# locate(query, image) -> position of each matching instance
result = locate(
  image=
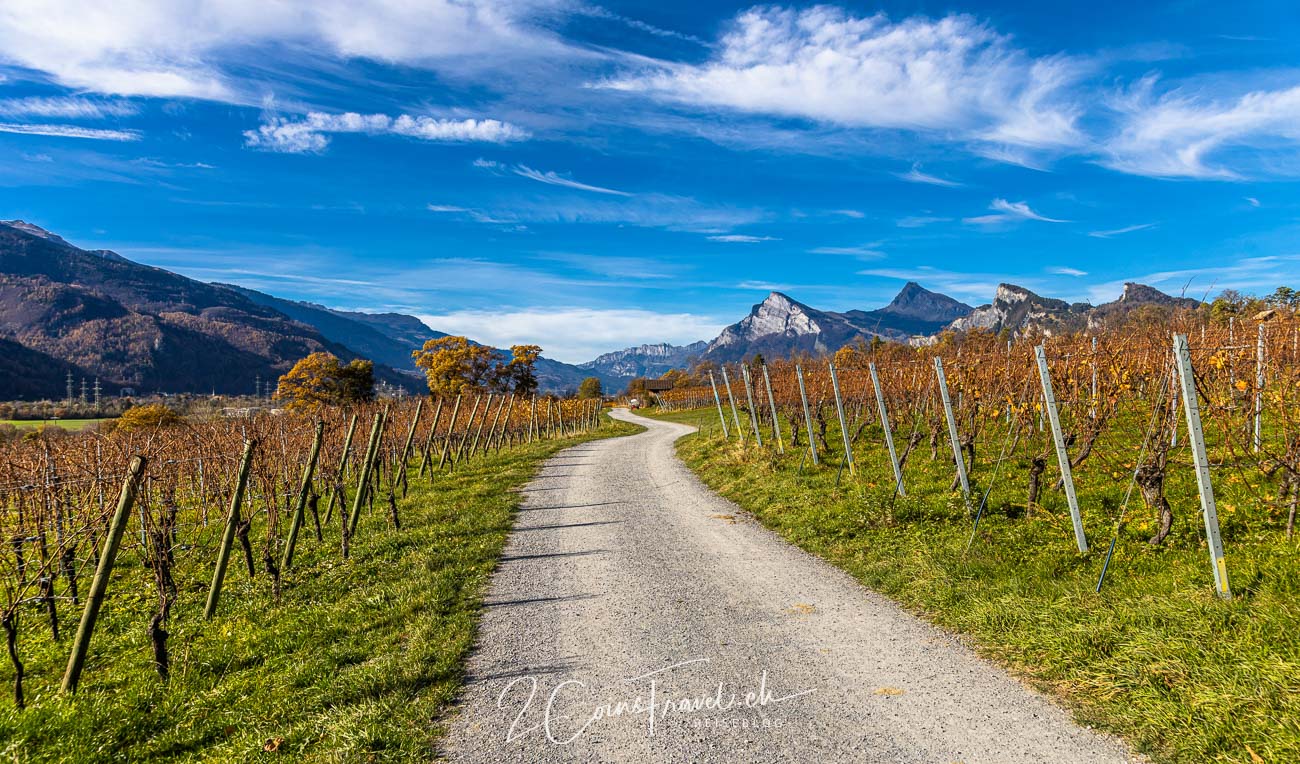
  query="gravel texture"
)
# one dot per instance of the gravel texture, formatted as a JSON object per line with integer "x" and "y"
{"x": 622, "y": 563}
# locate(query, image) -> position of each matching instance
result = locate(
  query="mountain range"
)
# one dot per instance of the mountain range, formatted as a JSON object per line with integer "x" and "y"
{"x": 96, "y": 314}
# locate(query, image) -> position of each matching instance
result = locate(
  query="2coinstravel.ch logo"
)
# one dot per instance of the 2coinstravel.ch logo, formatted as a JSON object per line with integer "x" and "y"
{"x": 571, "y": 708}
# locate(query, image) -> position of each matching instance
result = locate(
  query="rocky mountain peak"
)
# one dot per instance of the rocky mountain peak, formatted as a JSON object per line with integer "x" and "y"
{"x": 34, "y": 230}
{"x": 915, "y": 301}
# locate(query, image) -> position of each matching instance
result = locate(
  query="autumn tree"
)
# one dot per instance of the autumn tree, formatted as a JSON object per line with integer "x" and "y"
{"x": 454, "y": 364}
{"x": 590, "y": 388}
{"x": 519, "y": 375}
{"x": 321, "y": 379}
{"x": 677, "y": 377}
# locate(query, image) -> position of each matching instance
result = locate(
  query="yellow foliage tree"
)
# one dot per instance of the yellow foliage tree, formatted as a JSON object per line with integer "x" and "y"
{"x": 321, "y": 379}
{"x": 148, "y": 416}
{"x": 453, "y": 364}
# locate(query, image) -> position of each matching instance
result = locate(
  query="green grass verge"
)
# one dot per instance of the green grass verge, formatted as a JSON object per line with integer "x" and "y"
{"x": 1155, "y": 657}
{"x": 356, "y": 663}
{"x": 67, "y": 424}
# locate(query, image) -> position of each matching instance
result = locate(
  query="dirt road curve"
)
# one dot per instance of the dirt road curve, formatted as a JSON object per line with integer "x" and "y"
{"x": 636, "y": 616}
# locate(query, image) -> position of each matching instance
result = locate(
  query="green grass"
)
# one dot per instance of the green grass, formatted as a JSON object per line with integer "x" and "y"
{"x": 1156, "y": 656}
{"x": 67, "y": 424}
{"x": 356, "y": 664}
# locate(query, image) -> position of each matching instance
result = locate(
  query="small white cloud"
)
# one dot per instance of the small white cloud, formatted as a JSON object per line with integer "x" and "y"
{"x": 916, "y": 176}
{"x": 71, "y": 131}
{"x": 1121, "y": 231}
{"x": 1062, "y": 270}
{"x": 446, "y": 208}
{"x": 855, "y": 214}
{"x": 739, "y": 238}
{"x": 1252, "y": 201}
{"x": 310, "y": 134}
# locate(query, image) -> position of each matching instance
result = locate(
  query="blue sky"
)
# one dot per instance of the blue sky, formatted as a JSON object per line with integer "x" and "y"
{"x": 593, "y": 176}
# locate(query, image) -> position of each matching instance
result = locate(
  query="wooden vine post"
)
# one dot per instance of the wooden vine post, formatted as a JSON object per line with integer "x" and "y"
{"x": 300, "y": 506}
{"x": 228, "y": 537}
{"x": 95, "y": 599}
{"x": 726, "y": 434}
{"x": 367, "y": 466}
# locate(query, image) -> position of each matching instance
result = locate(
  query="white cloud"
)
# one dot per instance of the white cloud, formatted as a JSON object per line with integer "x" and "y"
{"x": 952, "y": 74}
{"x": 740, "y": 238}
{"x": 446, "y": 208}
{"x": 916, "y": 176}
{"x": 551, "y": 178}
{"x": 66, "y": 107}
{"x": 169, "y": 49}
{"x": 311, "y": 133}
{"x": 1063, "y": 270}
{"x": 71, "y": 131}
{"x": 1005, "y": 211}
{"x": 1178, "y": 134}
{"x": 1121, "y": 231}
{"x": 1252, "y": 201}
{"x": 576, "y": 334}
{"x": 855, "y": 214}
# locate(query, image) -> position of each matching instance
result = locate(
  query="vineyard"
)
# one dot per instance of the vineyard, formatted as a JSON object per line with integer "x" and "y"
{"x": 1058, "y": 498}
{"x": 151, "y": 525}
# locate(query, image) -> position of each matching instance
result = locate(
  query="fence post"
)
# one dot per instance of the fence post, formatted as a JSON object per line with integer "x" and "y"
{"x": 953, "y": 437}
{"x": 478, "y": 432}
{"x": 469, "y": 426}
{"x": 410, "y": 439}
{"x": 844, "y": 424}
{"x": 749, "y": 396}
{"x": 1192, "y": 409}
{"x": 889, "y": 433}
{"x": 735, "y": 415}
{"x": 726, "y": 435}
{"x": 776, "y": 421}
{"x": 98, "y": 586}
{"x": 1062, "y": 455}
{"x": 300, "y": 506}
{"x": 807, "y": 415}
{"x": 228, "y": 537}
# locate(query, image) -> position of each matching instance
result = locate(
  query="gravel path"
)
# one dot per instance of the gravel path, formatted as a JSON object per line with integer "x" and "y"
{"x": 627, "y": 586}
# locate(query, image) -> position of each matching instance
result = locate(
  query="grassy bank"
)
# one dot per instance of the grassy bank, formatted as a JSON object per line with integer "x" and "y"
{"x": 356, "y": 663}
{"x": 1156, "y": 656}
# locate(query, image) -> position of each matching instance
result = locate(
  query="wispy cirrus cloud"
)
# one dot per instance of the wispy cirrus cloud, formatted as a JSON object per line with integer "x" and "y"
{"x": 1065, "y": 270}
{"x": 916, "y": 176}
{"x": 66, "y": 107}
{"x": 554, "y": 179}
{"x": 1182, "y": 133}
{"x": 1121, "y": 231}
{"x": 70, "y": 131}
{"x": 1005, "y": 211}
{"x": 868, "y": 252}
{"x": 311, "y": 133}
{"x": 740, "y": 238}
